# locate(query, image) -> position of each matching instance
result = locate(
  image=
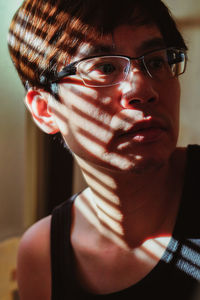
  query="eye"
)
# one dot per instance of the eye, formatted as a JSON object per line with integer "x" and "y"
{"x": 105, "y": 69}
{"x": 156, "y": 63}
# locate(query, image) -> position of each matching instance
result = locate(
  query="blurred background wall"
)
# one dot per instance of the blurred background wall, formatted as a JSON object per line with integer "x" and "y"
{"x": 21, "y": 146}
{"x": 12, "y": 133}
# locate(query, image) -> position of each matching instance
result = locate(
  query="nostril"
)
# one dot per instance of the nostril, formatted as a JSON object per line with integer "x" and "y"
{"x": 138, "y": 101}
{"x": 134, "y": 101}
{"x": 152, "y": 100}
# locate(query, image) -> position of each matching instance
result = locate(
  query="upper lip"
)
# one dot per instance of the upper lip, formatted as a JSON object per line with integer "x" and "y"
{"x": 142, "y": 125}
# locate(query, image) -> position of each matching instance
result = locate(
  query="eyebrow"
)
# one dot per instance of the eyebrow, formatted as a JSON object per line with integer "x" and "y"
{"x": 151, "y": 44}
{"x": 147, "y": 45}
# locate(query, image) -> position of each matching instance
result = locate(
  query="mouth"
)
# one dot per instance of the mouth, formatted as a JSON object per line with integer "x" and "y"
{"x": 144, "y": 132}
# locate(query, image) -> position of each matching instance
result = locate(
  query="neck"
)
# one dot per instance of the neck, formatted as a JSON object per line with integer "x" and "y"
{"x": 132, "y": 208}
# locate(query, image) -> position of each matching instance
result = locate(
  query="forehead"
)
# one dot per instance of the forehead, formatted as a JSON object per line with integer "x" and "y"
{"x": 126, "y": 39}
{"x": 137, "y": 39}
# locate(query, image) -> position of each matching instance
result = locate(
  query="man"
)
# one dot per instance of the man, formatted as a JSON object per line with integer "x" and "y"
{"x": 106, "y": 76}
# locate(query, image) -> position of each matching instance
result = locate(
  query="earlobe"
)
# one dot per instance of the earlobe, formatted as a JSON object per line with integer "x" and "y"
{"x": 37, "y": 103}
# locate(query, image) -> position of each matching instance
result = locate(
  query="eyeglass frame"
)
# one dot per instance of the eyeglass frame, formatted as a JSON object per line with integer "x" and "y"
{"x": 71, "y": 69}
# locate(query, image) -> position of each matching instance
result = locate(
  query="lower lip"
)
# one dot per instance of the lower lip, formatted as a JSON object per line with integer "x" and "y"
{"x": 147, "y": 135}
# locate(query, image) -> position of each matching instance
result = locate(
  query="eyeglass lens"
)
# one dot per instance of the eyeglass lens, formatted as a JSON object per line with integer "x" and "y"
{"x": 106, "y": 70}
{"x": 110, "y": 70}
{"x": 164, "y": 64}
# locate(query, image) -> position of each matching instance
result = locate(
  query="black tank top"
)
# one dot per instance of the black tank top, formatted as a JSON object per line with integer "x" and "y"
{"x": 176, "y": 275}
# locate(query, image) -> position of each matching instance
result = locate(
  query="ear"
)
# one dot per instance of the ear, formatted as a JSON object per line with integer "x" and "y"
{"x": 37, "y": 103}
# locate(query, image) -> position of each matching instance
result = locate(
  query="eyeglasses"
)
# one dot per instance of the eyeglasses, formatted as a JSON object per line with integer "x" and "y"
{"x": 108, "y": 70}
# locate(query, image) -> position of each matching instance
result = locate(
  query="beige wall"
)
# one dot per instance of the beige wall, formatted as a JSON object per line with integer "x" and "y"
{"x": 11, "y": 134}
{"x": 184, "y": 8}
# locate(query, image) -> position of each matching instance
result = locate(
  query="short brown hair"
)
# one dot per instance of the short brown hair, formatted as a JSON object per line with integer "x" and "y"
{"x": 45, "y": 34}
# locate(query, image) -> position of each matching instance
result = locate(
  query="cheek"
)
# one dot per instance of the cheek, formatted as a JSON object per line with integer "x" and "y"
{"x": 88, "y": 112}
{"x": 176, "y": 101}
{"x": 171, "y": 107}
{"x": 170, "y": 97}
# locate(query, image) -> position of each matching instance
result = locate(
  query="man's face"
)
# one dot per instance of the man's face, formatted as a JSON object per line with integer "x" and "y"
{"x": 129, "y": 126}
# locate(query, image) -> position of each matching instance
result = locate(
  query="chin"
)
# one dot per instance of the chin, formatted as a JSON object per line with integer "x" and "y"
{"x": 147, "y": 159}
{"x": 147, "y": 166}
{"x": 153, "y": 163}
{"x": 137, "y": 164}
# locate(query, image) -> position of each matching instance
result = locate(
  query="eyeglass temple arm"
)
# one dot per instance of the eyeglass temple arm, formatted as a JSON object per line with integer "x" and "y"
{"x": 68, "y": 70}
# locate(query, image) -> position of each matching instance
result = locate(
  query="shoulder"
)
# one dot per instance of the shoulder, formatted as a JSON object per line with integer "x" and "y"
{"x": 33, "y": 265}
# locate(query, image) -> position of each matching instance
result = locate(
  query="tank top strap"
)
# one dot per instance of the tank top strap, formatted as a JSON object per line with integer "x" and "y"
{"x": 61, "y": 251}
{"x": 188, "y": 218}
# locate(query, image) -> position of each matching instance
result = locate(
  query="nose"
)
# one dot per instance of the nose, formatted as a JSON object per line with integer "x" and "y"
{"x": 137, "y": 89}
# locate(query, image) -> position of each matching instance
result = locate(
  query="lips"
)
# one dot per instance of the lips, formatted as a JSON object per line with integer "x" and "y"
{"x": 144, "y": 131}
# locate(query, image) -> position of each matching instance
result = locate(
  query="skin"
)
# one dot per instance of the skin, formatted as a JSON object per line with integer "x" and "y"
{"x": 134, "y": 186}
{"x": 115, "y": 103}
